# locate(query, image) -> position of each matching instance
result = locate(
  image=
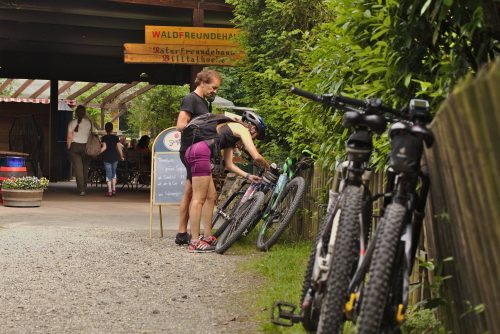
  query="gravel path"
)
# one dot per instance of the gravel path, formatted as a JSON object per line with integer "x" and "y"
{"x": 60, "y": 279}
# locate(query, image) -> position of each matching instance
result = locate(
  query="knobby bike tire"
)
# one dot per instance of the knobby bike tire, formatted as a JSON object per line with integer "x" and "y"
{"x": 379, "y": 275}
{"x": 243, "y": 218}
{"x": 344, "y": 260}
{"x": 274, "y": 227}
{"x": 310, "y": 314}
{"x": 223, "y": 215}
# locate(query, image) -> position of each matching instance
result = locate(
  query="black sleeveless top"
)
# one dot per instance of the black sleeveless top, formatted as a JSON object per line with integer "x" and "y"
{"x": 226, "y": 138}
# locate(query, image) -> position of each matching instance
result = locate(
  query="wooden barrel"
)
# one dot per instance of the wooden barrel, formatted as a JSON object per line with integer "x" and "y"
{"x": 7, "y": 172}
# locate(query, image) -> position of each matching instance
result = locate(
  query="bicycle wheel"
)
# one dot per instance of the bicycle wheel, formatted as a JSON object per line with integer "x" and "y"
{"x": 276, "y": 223}
{"x": 246, "y": 214}
{"x": 311, "y": 309}
{"x": 225, "y": 212}
{"x": 344, "y": 261}
{"x": 379, "y": 276}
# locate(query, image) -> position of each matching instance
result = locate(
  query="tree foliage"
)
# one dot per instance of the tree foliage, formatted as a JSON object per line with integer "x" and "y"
{"x": 394, "y": 50}
{"x": 157, "y": 109}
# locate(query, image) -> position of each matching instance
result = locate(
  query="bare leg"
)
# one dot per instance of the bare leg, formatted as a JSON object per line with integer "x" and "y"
{"x": 208, "y": 209}
{"x": 113, "y": 184}
{"x": 184, "y": 207}
{"x": 200, "y": 185}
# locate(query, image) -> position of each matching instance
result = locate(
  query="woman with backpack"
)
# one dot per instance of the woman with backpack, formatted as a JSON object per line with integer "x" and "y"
{"x": 207, "y": 135}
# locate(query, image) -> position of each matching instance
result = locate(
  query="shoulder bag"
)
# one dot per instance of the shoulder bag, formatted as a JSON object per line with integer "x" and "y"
{"x": 93, "y": 146}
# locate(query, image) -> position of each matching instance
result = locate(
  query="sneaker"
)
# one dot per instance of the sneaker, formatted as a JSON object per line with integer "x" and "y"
{"x": 82, "y": 193}
{"x": 200, "y": 246}
{"x": 182, "y": 238}
{"x": 211, "y": 240}
{"x": 108, "y": 194}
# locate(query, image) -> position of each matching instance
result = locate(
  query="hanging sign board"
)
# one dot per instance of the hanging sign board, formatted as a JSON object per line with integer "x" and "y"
{"x": 181, "y": 54}
{"x": 191, "y": 35}
{"x": 168, "y": 174}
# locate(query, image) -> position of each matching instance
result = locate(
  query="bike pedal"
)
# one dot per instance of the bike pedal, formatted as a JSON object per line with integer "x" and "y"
{"x": 285, "y": 314}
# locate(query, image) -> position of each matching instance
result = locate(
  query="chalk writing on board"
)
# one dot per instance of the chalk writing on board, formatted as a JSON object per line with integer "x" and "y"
{"x": 170, "y": 176}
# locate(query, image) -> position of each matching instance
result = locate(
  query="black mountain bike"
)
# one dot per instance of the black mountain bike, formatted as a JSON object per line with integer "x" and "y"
{"x": 382, "y": 303}
{"x": 343, "y": 236}
{"x": 242, "y": 218}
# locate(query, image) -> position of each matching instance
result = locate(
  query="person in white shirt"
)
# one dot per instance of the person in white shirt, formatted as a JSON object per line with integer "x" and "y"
{"x": 76, "y": 140}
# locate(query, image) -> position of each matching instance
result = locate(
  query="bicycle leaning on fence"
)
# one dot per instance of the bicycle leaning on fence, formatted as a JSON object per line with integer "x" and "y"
{"x": 379, "y": 305}
{"x": 282, "y": 190}
{"x": 343, "y": 235}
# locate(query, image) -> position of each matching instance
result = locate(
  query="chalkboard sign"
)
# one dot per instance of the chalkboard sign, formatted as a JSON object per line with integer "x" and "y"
{"x": 169, "y": 178}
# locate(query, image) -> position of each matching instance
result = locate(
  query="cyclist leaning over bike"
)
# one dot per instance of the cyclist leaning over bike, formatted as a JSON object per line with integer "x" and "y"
{"x": 207, "y": 135}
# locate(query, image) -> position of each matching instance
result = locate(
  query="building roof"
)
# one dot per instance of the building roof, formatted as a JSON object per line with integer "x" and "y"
{"x": 82, "y": 40}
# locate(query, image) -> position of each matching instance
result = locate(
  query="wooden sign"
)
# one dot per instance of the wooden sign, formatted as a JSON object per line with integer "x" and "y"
{"x": 181, "y": 54}
{"x": 190, "y": 35}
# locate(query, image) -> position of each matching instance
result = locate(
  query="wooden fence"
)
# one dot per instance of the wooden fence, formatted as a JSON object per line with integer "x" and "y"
{"x": 463, "y": 216}
{"x": 463, "y": 210}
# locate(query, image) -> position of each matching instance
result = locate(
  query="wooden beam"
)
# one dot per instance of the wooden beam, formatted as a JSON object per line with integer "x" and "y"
{"x": 22, "y": 88}
{"x": 135, "y": 94}
{"x": 66, "y": 86}
{"x": 40, "y": 90}
{"x": 211, "y": 5}
{"x": 5, "y": 84}
{"x": 97, "y": 93}
{"x": 117, "y": 92}
{"x": 81, "y": 90}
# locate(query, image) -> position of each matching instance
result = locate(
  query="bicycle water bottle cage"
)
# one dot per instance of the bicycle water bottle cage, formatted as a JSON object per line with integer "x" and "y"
{"x": 376, "y": 123}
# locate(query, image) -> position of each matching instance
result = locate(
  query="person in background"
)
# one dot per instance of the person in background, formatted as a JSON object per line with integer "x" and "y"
{"x": 76, "y": 140}
{"x": 123, "y": 142}
{"x": 132, "y": 145}
{"x": 143, "y": 144}
{"x": 193, "y": 105}
{"x": 112, "y": 149}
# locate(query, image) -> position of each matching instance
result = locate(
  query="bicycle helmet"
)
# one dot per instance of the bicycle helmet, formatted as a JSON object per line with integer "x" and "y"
{"x": 254, "y": 119}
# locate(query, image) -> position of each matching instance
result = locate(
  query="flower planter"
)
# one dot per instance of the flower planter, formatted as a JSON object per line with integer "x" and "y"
{"x": 22, "y": 198}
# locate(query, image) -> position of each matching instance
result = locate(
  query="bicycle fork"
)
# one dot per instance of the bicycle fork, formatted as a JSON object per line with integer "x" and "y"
{"x": 283, "y": 313}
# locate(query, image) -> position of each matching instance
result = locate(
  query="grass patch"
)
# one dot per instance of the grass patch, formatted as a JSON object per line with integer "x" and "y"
{"x": 282, "y": 270}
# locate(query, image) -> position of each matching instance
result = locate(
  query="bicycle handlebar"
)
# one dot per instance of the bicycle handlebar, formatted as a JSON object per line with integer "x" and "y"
{"x": 337, "y": 101}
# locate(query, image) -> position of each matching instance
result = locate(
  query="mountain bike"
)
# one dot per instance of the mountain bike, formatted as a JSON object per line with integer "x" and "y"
{"x": 283, "y": 201}
{"x": 344, "y": 232}
{"x": 243, "y": 217}
{"x": 282, "y": 190}
{"x": 380, "y": 306}
{"x": 225, "y": 212}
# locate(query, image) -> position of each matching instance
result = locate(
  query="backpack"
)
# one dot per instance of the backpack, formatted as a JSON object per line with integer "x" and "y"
{"x": 203, "y": 127}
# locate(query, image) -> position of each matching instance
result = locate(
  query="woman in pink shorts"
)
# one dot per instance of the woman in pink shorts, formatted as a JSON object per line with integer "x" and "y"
{"x": 229, "y": 135}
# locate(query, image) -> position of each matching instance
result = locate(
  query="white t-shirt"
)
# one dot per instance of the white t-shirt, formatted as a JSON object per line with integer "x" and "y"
{"x": 83, "y": 130}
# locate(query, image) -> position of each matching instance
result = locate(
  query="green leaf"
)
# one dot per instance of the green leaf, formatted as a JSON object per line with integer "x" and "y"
{"x": 425, "y": 6}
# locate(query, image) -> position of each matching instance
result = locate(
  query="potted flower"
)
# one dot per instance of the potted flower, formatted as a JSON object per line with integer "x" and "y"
{"x": 23, "y": 191}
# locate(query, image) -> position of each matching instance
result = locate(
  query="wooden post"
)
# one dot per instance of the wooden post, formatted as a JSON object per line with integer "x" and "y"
{"x": 54, "y": 105}
{"x": 198, "y": 18}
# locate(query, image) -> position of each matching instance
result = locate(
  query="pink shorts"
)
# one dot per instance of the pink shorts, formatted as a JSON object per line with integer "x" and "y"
{"x": 198, "y": 158}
